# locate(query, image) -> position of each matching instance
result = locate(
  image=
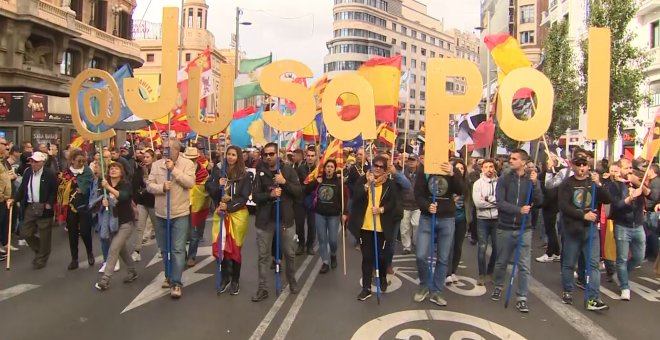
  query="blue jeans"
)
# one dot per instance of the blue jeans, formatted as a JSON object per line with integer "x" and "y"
{"x": 653, "y": 242}
{"x": 628, "y": 239}
{"x": 327, "y": 231}
{"x": 444, "y": 234}
{"x": 506, "y": 242}
{"x": 178, "y": 233}
{"x": 389, "y": 247}
{"x": 575, "y": 245}
{"x": 196, "y": 235}
{"x": 485, "y": 229}
{"x": 105, "y": 247}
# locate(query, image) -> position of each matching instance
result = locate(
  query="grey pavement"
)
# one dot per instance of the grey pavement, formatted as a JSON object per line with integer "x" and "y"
{"x": 54, "y": 303}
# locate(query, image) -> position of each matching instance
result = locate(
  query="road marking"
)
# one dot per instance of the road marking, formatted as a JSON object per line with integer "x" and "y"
{"x": 650, "y": 280}
{"x": 612, "y": 295}
{"x": 201, "y": 251}
{"x": 589, "y": 329}
{"x": 285, "y": 326}
{"x": 263, "y": 326}
{"x": 154, "y": 291}
{"x": 16, "y": 290}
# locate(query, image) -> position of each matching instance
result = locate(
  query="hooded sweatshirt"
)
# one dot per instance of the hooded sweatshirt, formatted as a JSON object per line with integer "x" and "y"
{"x": 483, "y": 195}
{"x": 446, "y": 188}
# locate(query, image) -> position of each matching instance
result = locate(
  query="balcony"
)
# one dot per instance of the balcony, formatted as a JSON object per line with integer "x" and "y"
{"x": 648, "y": 7}
{"x": 653, "y": 71}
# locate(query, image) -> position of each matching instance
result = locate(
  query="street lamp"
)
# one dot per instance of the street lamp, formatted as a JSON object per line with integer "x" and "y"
{"x": 239, "y": 12}
{"x": 116, "y": 11}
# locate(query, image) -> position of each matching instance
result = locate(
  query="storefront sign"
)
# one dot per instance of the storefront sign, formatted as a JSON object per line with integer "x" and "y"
{"x": 11, "y": 106}
{"x": 36, "y": 107}
{"x": 46, "y": 135}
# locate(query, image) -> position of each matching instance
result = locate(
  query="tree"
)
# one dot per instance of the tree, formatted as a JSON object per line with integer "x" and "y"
{"x": 628, "y": 64}
{"x": 559, "y": 67}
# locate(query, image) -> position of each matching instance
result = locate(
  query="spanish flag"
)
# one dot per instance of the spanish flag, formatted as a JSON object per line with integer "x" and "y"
{"x": 77, "y": 142}
{"x": 319, "y": 88}
{"x": 334, "y": 151}
{"x": 506, "y": 53}
{"x": 384, "y": 75}
{"x": 386, "y": 134}
{"x": 652, "y": 140}
{"x": 200, "y": 202}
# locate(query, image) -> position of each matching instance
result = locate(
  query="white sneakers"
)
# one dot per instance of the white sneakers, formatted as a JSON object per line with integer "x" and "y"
{"x": 103, "y": 267}
{"x": 22, "y": 243}
{"x": 136, "y": 257}
{"x": 547, "y": 259}
{"x": 451, "y": 279}
{"x": 625, "y": 294}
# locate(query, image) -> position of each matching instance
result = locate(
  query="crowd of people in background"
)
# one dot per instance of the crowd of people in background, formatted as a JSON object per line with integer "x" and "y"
{"x": 131, "y": 195}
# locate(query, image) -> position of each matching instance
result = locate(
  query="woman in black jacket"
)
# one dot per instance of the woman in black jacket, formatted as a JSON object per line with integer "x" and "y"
{"x": 237, "y": 188}
{"x": 329, "y": 207}
{"x": 361, "y": 223}
{"x": 144, "y": 201}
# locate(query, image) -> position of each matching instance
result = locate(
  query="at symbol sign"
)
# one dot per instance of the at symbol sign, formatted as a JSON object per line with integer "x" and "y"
{"x": 376, "y": 328}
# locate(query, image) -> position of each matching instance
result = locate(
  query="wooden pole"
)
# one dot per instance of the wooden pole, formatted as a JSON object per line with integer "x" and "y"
{"x": 341, "y": 219}
{"x": 547, "y": 151}
{"x": 11, "y": 208}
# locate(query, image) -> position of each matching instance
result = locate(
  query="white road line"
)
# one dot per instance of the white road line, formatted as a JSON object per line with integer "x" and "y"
{"x": 263, "y": 326}
{"x": 589, "y": 329}
{"x": 297, "y": 304}
{"x": 16, "y": 290}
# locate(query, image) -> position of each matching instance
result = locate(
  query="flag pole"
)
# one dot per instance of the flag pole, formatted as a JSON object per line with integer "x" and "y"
{"x": 394, "y": 147}
{"x": 343, "y": 225}
{"x": 373, "y": 205}
{"x": 151, "y": 137}
{"x": 277, "y": 223}
{"x": 11, "y": 208}
{"x": 219, "y": 289}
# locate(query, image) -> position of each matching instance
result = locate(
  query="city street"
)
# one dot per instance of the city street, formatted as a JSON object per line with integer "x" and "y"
{"x": 61, "y": 304}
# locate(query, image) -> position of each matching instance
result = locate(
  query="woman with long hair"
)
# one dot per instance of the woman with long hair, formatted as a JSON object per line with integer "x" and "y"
{"x": 73, "y": 197}
{"x": 144, "y": 201}
{"x": 461, "y": 227}
{"x": 237, "y": 189}
{"x": 328, "y": 206}
{"x": 119, "y": 224}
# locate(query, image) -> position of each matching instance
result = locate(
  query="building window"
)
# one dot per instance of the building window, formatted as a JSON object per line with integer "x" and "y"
{"x": 422, "y": 95}
{"x": 401, "y": 124}
{"x": 342, "y": 66}
{"x": 393, "y": 41}
{"x": 411, "y": 125}
{"x": 404, "y": 30}
{"x": 360, "y": 16}
{"x": 394, "y": 27}
{"x": 527, "y": 37}
{"x": 432, "y": 54}
{"x": 527, "y": 14}
{"x": 200, "y": 15}
{"x": 412, "y": 95}
{"x": 423, "y": 51}
{"x": 423, "y": 66}
{"x": 432, "y": 40}
{"x": 413, "y": 63}
{"x": 449, "y": 86}
{"x": 190, "y": 17}
{"x": 66, "y": 67}
{"x": 187, "y": 56}
{"x": 359, "y": 48}
{"x": 413, "y": 34}
{"x": 655, "y": 34}
{"x": 150, "y": 57}
{"x": 413, "y": 78}
{"x": 355, "y": 32}
{"x": 413, "y": 48}
{"x": 423, "y": 81}
{"x": 404, "y": 46}
{"x": 403, "y": 60}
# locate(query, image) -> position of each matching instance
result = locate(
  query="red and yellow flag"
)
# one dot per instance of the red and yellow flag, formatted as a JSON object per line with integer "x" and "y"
{"x": 384, "y": 75}
{"x": 386, "y": 134}
{"x": 334, "y": 151}
{"x": 506, "y": 53}
{"x": 652, "y": 140}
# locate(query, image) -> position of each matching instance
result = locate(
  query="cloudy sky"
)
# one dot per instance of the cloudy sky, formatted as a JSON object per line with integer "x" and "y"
{"x": 294, "y": 29}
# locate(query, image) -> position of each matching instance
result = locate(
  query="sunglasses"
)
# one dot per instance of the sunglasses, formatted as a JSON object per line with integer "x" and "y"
{"x": 379, "y": 166}
{"x": 270, "y": 154}
{"x": 581, "y": 163}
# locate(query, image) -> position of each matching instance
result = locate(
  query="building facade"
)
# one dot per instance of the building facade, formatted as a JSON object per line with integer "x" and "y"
{"x": 363, "y": 29}
{"x": 196, "y": 39}
{"x": 44, "y": 45}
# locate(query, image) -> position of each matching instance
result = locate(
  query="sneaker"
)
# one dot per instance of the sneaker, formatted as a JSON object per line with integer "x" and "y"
{"x": 234, "y": 288}
{"x": 545, "y": 258}
{"x": 596, "y": 305}
{"x": 497, "y": 294}
{"x": 556, "y": 258}
{"x": 132, "y": 276}
{"x": 3, "y": 257}
{"x": 12, "y": 248}
{"x": 364, "y": 294}
{"x": 73, "y": 265}
{"x": 103, "y": 284}
{"x": 580, "y": 284}
{"x": 454, "y": 278}
{"x": 166, "y": 284}
{"x": 3, "y": 250}
{"x": 333, "y": 261}
{"x": 522, "y": 306}
{"x": 136, "y": 256}
{"x": 102, "y": 269}
{"x": 625, "y": 294}
{"x": 324, "y": 268}
{"x": 117, "y": 266}
{"x": 437, "y": 299}
{"x": 421, "y": 294}
{"x": 175, "y": 292}
{"x": 449, "y": 280}
{"x": 223, "y": 286}
{"x": 190, "y": 263}
{"x": 261, "y": 295}
{"x": 481, "y": 281}
{"x": 22, "y": 243}
{"x": 567, "y": 298}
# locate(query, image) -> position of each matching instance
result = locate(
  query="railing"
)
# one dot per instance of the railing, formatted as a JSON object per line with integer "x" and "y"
{"x": 53, "y": 13}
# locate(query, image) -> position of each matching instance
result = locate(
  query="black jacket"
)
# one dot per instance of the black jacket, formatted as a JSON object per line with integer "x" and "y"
{"x": 446, "y": 188}
{"x": 47, "y": 190}
{"x": 140, "y": 194}
{"x": 511, "y": 195}
{"x": 303, "y": 171}
{"x": 388, "y": 199}
{"x": 328, "y": 197}
{"x": 575, "y": 201}
{"x": 623, "y": 214}
{"x": 239, "y": 190}
{"x": 264, "y": 182}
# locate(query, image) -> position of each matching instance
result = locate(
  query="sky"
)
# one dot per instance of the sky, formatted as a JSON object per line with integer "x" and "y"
{"x": 294, "y": 29}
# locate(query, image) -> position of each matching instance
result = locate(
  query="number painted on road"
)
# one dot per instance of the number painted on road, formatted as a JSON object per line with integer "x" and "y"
{"x": 380, "y": 327}
{"x": 469, "y": 289}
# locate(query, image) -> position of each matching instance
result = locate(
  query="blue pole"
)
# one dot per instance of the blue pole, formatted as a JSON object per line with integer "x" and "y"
{"x": 587, "y": 266}
{"x": 521, "y": 235}
{"x": 222, "y": 220}
{"x": 277, "y": 230}
{"x": 168, "y": 245}
{"x": 373, "y": 205}
{"x": 433, "y": 217}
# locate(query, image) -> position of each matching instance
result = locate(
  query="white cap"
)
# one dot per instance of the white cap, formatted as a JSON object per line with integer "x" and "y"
{"x": 38, "y": 156}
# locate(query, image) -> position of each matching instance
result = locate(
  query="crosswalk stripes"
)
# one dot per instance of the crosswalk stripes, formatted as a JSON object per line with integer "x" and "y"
{"x": 16, "y": 290}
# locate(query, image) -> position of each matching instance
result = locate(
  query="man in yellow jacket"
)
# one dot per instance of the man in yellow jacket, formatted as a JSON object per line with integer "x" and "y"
{"x": 182, "y": 179}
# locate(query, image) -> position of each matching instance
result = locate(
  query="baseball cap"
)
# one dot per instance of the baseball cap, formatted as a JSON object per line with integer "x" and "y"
{"x": 38, "y": 156}
{"x": 580, "y": 159}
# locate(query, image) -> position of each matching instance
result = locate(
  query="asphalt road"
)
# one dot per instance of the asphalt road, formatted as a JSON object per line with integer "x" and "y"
{"x": 54, "y": 303}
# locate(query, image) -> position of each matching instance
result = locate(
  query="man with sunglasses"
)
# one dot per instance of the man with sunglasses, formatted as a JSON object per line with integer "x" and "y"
{"x": 269, "y": 185}
{"x": 575, "y": 201}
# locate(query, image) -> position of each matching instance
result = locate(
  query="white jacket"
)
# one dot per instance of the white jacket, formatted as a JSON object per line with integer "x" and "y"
{"x": 483, "y": 195}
